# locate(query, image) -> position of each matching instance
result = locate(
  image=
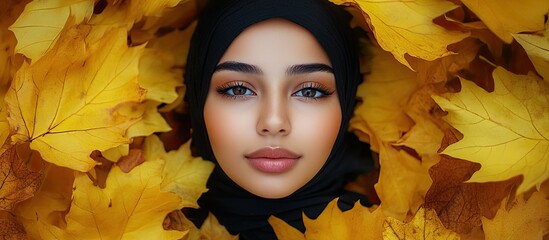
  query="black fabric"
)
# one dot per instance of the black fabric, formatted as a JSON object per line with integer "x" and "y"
{"x": 220, "y": 23}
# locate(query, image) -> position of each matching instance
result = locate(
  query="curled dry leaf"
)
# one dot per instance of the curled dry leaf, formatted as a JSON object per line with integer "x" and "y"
{"x": 17, "y": 181}
{"x": 357, "y": 223}
{"x": 66, "y": 104}
{"x": 424, "y": 226}
{"x": 406, "y": 27}
{"x": 459, "y": 205}
{"x": 506, "y": 131}
{"x": 40, "y": 25}
{"x": 509, "y": 17}
{"x": 133, "y": 159}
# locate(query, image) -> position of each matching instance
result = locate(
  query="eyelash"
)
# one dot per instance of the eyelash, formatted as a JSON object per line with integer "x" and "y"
{"x": 225, "y": 88}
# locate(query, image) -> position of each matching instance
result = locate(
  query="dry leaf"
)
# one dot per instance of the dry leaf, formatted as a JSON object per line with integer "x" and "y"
{"x": 506, "y": 131}
{"x": 66, "y": 103}
{"x": 527, "y": 219}
{"x": 17, "y": 181}
{"x": 162, "y": 65}
{"x": 537, "y": 48}
{"x": 380, "y": 115}
{"x": 150, "y": 119}
{"x": 134, "y": 158}
{"x": 183, "y": 174}
{"x": 212, "y": 230}
{"x": 49, "y": 205}
{"x": 406, "y": 27}
{"x": 357, "y": 223}
{"x": 425, "y": 226}
{"x": 507, "y": 17}
{"x": 39, "y": 27}
{"x": 136, "y": 206}
{"x": 461, "y": 205}
{"x": 409, "y": 175}
{"x": 10, "y": 228}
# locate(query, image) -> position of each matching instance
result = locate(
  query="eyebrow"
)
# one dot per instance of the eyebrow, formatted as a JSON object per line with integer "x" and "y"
{"x": 238, "y": 67}
{"x": 292, "y": 70}
{"x": 309, "y": 68}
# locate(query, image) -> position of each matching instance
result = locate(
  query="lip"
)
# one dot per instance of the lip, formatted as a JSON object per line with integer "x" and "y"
{"x": 273, "y": 159}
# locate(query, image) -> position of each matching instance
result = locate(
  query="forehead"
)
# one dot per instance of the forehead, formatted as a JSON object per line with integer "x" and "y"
{"x": 276, "y": 41}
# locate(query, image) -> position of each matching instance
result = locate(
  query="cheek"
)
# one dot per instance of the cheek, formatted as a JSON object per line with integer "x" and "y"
{"x": 228, "y": 129}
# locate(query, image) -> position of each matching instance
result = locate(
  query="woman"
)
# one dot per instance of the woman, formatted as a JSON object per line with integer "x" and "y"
{"x": 271, "y": 88}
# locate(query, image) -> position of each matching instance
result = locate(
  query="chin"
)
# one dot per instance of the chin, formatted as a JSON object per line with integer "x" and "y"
{"x": 272, "y": 193}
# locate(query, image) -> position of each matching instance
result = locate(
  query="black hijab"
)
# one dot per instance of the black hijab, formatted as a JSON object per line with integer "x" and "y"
{"x": 220, "y": 23}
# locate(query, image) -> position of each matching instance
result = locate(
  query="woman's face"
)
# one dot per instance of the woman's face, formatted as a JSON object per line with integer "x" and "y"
{"x": 272, "y": 111}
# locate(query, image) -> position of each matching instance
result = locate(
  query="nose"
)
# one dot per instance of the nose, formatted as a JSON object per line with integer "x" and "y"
{"x": 273, "y": 118}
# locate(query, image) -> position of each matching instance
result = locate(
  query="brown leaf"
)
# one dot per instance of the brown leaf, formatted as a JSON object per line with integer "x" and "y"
{"x": 10, "y": 228}
{"x": 134, "y": 158}
{"x": 424, "y": 226}
{"x": 461, "y": 205}
{"x": 18, "y": 182}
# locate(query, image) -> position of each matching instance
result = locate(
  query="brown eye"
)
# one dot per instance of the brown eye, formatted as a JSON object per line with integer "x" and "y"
{"x": 239, "y": 90}
{"x": 309, "y": 92}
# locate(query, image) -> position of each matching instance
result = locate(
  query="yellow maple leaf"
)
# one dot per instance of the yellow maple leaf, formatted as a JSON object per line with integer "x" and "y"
{"x": 406, "y": 27}
{"x": 183, "y": 174}
{"x": 537, "y": 48}
{"x": 507, "y": 17}
{"x": 424, "y": 226}
{"x": 150, "y": 122}
{"x": 527, "y": 219}
{"x": 403, "y": 181}
{"x": 380, "y": 115}
{"x": 132, "y": 206}
{"x": 162, "y": 63}
{"x": 66, "y": 103}
{"x": 39, "y": 26}
{"x": 357, "y": 223}
{"x": 507, "y": 131}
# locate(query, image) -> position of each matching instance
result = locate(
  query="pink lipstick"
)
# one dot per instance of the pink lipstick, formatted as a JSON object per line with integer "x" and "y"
{"x": 272, "y": 159}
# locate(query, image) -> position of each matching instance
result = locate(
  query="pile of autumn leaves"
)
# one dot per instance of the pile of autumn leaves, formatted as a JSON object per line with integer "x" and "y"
{"x": 455, "y": 102}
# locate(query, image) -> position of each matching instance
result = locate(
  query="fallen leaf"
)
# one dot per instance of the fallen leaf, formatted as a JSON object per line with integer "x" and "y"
{"x": 10, "y": 228}
{"x": 441, "y": 69}
{"x": 459, "y": 205}
{"x": 357, "y": 223}
{"x": 17, "y": 181}
{"x": 212, "y": 230}
{"x": 527, "y": 219}
{"x": 504, "y": 18}
{"x": 49, "y": 205}
{"x": 506, "y": 131}
{"x": 136, "y": 206}
{"x": 161, "y": 66}
{"x": 406, "y": 27}
{"x": 380, "y": 115}
{"x": 40, "y": 25}
{"x": 66, "y": 103}
{"x": 130, "y": 161}
{"x": 177, "y": 17}
{"x": 403, "y": 181}
{"x": 537, "y": 48}
{"x": 150, "y": 120}
{"x": 183, "y": 174}
{"x": 425, "y": 226}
